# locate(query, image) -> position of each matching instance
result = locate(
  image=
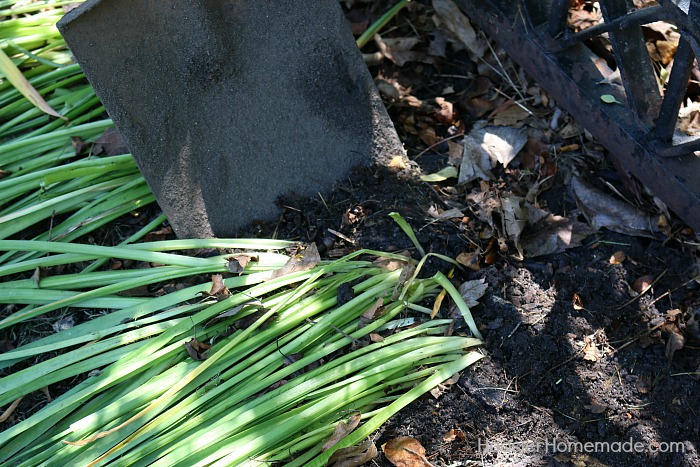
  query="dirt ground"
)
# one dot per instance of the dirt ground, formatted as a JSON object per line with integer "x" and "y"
{"x": 589, "y": 344}
{"x": 554, "y": 373}
{"x": 574, "y": 353}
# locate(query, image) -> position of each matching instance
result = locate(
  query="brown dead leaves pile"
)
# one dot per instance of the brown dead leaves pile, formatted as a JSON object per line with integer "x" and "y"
{"x": 508, "y": 150}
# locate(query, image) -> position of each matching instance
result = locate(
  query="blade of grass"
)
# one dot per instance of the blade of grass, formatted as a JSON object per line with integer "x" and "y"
{"x": 12, "y": 73}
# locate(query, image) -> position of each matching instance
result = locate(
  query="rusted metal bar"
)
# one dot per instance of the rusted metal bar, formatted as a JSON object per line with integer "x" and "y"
{"x": 635, "y": 18}
{"x": 675, "y": 90}
{"x": 634, "y": 63}
{"x": 572, "y": 78}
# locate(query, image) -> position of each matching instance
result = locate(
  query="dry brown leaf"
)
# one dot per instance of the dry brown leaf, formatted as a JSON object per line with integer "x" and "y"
{"x": 452, "y": 435}
{"x": 512, "y": 116}
{"x": 341, "y": 430}
{"x": 302, "y": 261}
{"x": 398, "y": 49}
{"x": 371, "y": 314}
{"x": 476, "y": 163}
{"x": 470, "y": 259}
{"x": 391, "y": 264}
{"x": 353, "y": 456}
{"x": 197, "y": 350}
{"x": 110, "y": 143}
{"x": 405, "y": 451}
{"x": 446, "y": 113}
{"x": 218, "y": 288}
{"x": 576, "y": 302}
{"x": 674, "y": 341}
{"x": 472, "y": 291}
{"x": 455, "y": 151}
{"x": 237, "y": 263}
{"x": 618, "y": 257}
{"x": 590, "y": 349}
{"x": 458, "y": 24}
{"x": 438, "y": 303}
{"x": 437, "y": 214}
{"x": 374, "y": 337}
{"x": 39, "y": 273}
{"x": 502, "y": 143}
{"x": 603, "y": 210}
{"x": 438, "y": 390}
{"x": 554, "y": 234}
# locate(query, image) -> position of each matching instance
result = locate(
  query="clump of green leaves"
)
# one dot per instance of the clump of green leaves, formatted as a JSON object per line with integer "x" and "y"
{"x": 259, "y": 367}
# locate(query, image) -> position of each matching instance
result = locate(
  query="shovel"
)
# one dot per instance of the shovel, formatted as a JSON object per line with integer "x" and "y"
{"x": 226, "y": 104}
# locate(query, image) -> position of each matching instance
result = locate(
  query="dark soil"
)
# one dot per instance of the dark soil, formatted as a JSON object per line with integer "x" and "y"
{"x": 573, "y": 354}
{"x": 535, "y": 384}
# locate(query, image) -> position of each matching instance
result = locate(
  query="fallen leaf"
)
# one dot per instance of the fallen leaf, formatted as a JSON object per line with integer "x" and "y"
{"x": 398, "y": 49}
{"x": 454, "y": 152}
{"x": 441, "y": 175}
{"x": 392, "y": 264}
{"x": 353, "y": 456}
{"x": 439, "y": 390}
{"x": 554, "y": 234}
{"x": 453, "y": 435}
{"x": 301, "y": 261}
{"x": 341, "y": 430}
{"x": 576, "y": 302}
{"x": 438, "y": 303}
{"x": 110, "y": 143}
{"x": 446, "y": 113}
{"x": 472, "y": 291}
{"x": 458, "y": 24}
{"x": 590, "y": 349}
{"x": 511, "y": 116}
{"x": 237, "y": 263}
{"x": 453, "y": 213}
{"x": 197, "y": 350}
{"x": 502, "y": 143}
{"x": 674, "y": 341}
{"x": 484, "y": 147}
{"x": 39, "y": 273}
{"x": 470, "y": 259}
{"x": 405, "y": 451}
{"x": 217, "y": 286}
{"x": 17, "y": 79}
{"x": 374, "y": 337}
{"x": 371, "y": 314}
{"x": 609, "y": 99}
{"x": 476, "y": 162}
{"x": 618, "y": 257}
{"x": 602, "y": 210}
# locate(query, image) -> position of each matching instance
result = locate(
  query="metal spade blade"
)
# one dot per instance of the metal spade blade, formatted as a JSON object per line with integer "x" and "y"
{"x": 228, "y": 104}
